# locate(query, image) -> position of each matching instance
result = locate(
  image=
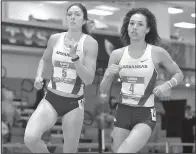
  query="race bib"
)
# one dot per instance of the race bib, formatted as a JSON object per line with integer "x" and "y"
{"x": 134, "y": 85}
{"x": 64, "y": 71}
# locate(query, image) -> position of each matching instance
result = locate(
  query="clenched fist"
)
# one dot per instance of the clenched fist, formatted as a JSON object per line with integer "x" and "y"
{"x": 72, "y": 44}
{"x": 38, "y": 84}
{"x": 160, "y": 90}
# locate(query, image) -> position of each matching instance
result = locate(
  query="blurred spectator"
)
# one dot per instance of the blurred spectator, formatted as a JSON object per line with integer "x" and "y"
{"x": 188, "y": 132}
{"x": 106, "y": 112}
{"x": 4, "y": 132}
{"x": 113, "y": 102}
{"x": 9, "y": 112}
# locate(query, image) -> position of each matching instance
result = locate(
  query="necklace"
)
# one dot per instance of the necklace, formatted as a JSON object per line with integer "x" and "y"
{"x": 68, "y": 41}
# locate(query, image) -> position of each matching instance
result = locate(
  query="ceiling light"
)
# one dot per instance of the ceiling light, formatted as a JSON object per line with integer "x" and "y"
{"x": 193, "y": 15}
{"x": 107, "y": 8}
{"x": 56, "y": 2}
{"x": 187, "y": 84}
{"x": 100, "y": 12}
{"x": 184, "y": 25}
{"x": 172, "y": 10}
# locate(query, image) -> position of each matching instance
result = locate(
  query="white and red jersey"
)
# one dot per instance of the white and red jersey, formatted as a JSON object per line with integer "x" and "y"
{"x": 64, "y": 76}
{"x": 138, "y": 78}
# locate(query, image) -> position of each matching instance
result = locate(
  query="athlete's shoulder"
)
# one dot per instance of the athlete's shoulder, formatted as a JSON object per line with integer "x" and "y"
{"x": 158, "y": 50}
{"x": 116, "y": 55}
{"x": 159, "y": 53}
{"x": 54, "y": 37}
{"x": 90, "y": 40}
{"x": 90, "y": 44}
{"x": 118, "y": 52}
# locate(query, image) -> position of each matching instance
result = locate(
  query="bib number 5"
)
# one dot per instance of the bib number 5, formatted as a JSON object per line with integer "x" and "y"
{"x": 64, "y": 72}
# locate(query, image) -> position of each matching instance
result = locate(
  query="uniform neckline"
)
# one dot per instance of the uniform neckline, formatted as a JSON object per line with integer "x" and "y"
{"x": 146, "y": 49}
{"x": 64, "y": 35}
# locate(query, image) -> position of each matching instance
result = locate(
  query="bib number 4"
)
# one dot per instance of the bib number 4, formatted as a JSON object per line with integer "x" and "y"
{"x": 131, "y": 88}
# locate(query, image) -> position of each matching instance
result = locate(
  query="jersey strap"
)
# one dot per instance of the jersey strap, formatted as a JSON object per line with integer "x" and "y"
{"x": 52, "y": 80}
{"x": 77, "y": 86}
{"x": 149, "y": 89}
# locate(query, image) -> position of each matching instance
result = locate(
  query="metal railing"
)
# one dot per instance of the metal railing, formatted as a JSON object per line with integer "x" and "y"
{"x": 89, "y": 146}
